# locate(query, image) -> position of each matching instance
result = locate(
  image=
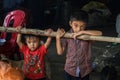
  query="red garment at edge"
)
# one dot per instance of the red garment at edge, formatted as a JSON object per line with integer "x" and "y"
{"x": 34, "y": 62}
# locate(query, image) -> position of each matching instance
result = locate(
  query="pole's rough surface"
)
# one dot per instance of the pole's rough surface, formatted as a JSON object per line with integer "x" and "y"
{"x": 53, "y": 34}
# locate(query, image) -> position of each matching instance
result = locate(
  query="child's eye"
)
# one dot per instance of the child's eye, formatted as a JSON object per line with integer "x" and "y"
{"x": 83, "y": 26}
{"x": 34, "y": 41}
{"x": 75, "y": 25}
{"x": 28, "y": 42}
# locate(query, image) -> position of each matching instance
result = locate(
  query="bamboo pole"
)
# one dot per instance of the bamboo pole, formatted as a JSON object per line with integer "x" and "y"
{"x": 53, "y": 34}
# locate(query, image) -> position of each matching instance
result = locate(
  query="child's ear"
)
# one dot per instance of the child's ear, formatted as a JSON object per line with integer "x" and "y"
{"x": 70, "y": 23}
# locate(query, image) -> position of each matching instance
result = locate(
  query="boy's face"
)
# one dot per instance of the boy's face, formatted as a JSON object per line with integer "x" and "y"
{"x": 77, "y": 25}
{"x": 32, "y": 43}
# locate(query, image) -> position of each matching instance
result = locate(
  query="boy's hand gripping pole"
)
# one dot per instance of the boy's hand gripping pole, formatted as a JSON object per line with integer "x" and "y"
{"x": 53, "y": 34}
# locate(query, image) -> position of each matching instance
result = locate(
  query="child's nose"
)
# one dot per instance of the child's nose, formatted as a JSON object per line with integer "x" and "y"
{"x": 79, "y": 29}
{"x": 32, "y": 44}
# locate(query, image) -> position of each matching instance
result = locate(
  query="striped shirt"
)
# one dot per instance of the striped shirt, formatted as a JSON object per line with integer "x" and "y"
{"x": 78, "y": 57}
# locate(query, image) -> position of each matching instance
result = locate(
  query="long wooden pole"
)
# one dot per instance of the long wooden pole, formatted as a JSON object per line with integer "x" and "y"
{"x": 53, "y": 34}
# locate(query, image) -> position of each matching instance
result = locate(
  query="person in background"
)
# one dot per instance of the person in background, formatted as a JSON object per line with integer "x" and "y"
{"x": 34, "y": 53}
{"x": 118, "y": 25}
{"x": 78, "y": 58}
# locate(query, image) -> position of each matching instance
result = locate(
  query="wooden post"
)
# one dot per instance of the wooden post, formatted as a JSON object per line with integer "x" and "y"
{"x": 53, "y": 34}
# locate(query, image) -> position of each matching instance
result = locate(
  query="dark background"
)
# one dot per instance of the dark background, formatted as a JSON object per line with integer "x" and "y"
{"x": 44, "y": 14}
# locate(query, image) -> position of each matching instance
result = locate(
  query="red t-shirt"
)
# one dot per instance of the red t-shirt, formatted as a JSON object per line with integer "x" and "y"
{"x": 34, "y": 62}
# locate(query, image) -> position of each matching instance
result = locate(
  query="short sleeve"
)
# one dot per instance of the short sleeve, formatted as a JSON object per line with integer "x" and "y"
{"x": 43, "y": 49}
{"x": 64, "y": 42}
{"x": 24, "y": 47}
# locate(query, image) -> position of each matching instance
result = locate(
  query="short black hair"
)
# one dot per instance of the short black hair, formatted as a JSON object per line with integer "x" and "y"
{"x": 31, "y": 35}
{"x": 79, "y": 16}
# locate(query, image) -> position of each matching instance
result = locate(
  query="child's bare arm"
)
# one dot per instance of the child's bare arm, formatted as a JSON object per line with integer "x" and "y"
{"x": 60, "y": 48}
{"x": 88, "y": 32}
{"x": 18, "y": 41}
{"x": 93, "y": 32}
{"x": 49, "y": 39}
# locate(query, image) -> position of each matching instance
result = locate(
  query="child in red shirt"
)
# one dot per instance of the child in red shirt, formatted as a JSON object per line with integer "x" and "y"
{"x": 34, "y": 53}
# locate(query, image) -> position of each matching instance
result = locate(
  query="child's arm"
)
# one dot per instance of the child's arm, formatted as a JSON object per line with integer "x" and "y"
{"x": 88, "y": 32}
{"x": 60, "y": 49}
{"x": 49, "y": 39}
{"x": 18, "y": 41}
